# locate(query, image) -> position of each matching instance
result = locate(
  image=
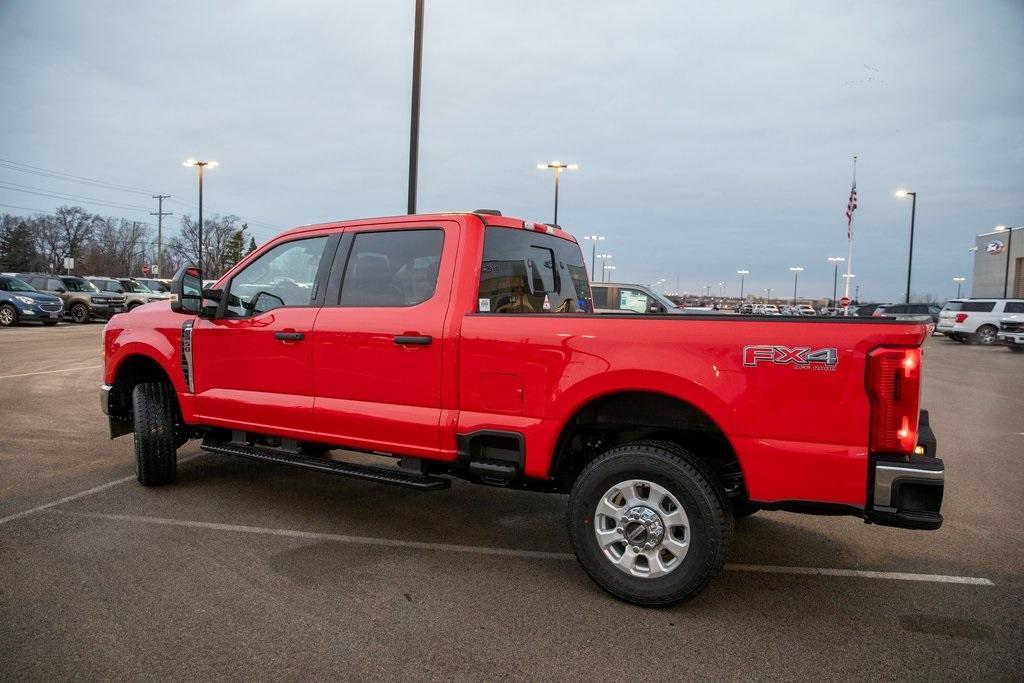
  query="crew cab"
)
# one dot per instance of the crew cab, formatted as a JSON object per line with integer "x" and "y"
{"x": 464, "y": 345}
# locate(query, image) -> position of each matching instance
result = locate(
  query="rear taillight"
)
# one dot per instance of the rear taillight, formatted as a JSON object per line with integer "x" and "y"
{"x": 894, "y": 385}
{"x": 960, "y": 317}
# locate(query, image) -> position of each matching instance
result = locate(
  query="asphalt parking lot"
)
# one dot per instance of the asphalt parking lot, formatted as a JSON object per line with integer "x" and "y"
{"x": 249, "y": 570}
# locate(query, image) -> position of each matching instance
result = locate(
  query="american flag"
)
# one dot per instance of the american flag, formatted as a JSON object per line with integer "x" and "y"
{"x": 850, "y": 208}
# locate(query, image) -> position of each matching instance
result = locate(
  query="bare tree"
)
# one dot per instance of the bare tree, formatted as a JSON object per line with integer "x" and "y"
{"x": 77, "y": 226}
{"x": 219, "y": 236}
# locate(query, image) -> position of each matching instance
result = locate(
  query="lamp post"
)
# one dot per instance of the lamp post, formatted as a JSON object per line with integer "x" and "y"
{"x": 593, "y": 250}
{"x": 769, "y": 290}
{"x": 201, "y": 165}
{"x": 414, "y": 116}
{"x": 605, "y": 270}
{"x": 856, "y": 297}
{"x": 910, "y": 256}
{"x": 1009, "y": 249}
{"x": 796, "y": 277}
{"x": 835, "y": 276}
{"x": 558, "y": 167}
{"x": 743, "y": 274}
{"x": 604, "y": 258}
{"x": 958, "y": 281}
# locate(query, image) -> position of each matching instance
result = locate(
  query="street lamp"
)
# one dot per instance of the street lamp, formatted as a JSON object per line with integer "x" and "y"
{"x": 721, "y": 289}
{"x": 835, "y": 276}
{"x": 769, "y": 290}
{"x": 605, "y": 270}
{"x": 558, "y": 167}
{"x": 603, "y": 257}
{"x": 1009, "y": 247}
{"x": 593, "y": 250}
{"x": 958, "y": 281}
{"x": 796, "y": 270}
{"x": 201, "y": 165}
{"x": 743, "y": 274}
{"x": 910, "y": 256}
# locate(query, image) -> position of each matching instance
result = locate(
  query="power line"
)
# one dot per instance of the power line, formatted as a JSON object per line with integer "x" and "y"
{"x": 53, "y": 194}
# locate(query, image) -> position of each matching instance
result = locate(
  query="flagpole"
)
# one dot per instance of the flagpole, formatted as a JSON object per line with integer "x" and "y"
{"x": 849, "y": 245}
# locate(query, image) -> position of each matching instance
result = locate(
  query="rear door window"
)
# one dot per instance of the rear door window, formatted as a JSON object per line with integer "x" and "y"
{"x": 525, "y": 271}
{"x": 392, "y": 268}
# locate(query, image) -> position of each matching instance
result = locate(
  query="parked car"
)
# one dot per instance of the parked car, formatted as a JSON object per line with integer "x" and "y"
{"x": 770, "y": 309}
{"x": 135, "y": 294}
{"x": 157, "y": 286}
{"x": 616, "y": 297}
{"x": 83, "y": 301}
{"x": 866, "y": 310}
{"x": 911, "y": 311}
{"x": 19, "y": 302}
{"x": 1011, "y": 332}
{"x": 806, "y": 309}
{"x": 976, "y": 320}
{"x": 459, "y": 345}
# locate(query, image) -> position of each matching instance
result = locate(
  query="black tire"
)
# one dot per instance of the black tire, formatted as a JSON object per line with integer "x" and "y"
{"x": 962, "y": 338}
{"x": 1016, "y": 348}
{"x": 50, "y": 323}
{"x": 8, "y": 315}
{"x": 688, "y": 480}
{"x": 985, "y": 335}
{"x": 155, "y": 414}
{"x": 80, "y": 313}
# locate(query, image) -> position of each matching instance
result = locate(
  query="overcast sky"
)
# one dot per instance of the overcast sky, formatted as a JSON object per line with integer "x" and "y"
{"x": 710, "y": 136}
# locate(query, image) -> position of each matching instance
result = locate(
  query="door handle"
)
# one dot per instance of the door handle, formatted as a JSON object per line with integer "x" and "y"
{"x": 290, "y": 336}
{"x": 424, "y": 340}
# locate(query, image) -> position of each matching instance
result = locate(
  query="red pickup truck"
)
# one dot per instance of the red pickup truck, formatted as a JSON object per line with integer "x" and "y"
{"x": 465, "y": 345}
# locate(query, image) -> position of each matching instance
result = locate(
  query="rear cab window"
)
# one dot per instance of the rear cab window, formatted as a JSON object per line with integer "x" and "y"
{"x": 525, "y": 271}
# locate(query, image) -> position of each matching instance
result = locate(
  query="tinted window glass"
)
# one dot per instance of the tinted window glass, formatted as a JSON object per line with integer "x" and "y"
{"x": 77, "y": 284}
{"x": 600, "y": 297}
{"x": 392, "y": 268}
{"x": 525, "y": 271}
{"x": 1014, "y": 307}
{"x": 893, "y": 310}
{"x": 921, "y": 308}
{"x": 283, "y": 276}
{"x": 978, "y": 306}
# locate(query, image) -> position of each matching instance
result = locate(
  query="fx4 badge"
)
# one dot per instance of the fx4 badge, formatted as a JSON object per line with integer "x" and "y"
{"x": 800, "y": 357}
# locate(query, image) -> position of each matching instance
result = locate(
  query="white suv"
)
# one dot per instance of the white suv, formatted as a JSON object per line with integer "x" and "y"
{"x": 976, "y": 320}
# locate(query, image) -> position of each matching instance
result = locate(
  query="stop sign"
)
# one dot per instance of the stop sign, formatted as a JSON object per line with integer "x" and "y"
{"x": 145, "y": 271}
{"x": 844, "y": 302}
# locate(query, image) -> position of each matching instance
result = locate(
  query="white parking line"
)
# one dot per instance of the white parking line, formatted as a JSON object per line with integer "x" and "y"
{"x": 50, "y": 372}
{"x": 80, "y": 494}
{"x": 510, "y": 552}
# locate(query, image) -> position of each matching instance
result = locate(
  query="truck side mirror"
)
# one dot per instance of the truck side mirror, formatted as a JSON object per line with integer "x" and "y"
{"x": 188, "y": 285}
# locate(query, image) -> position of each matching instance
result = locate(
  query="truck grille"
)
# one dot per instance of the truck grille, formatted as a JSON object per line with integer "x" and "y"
{"x": 1012, "y": 326}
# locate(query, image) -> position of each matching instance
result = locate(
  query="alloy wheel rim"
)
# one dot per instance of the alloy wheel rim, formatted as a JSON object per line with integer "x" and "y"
{"x": 6, "y": 316}
{"x": 987, "y": 336}
{"x": 79, "y": 313}
{"x": 641, "y": 529}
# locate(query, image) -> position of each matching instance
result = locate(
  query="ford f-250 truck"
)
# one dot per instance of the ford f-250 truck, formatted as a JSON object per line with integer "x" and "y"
{"x": 464, "y": 345}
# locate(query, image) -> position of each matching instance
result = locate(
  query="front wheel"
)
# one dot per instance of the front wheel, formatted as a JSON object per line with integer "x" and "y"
{"x": 1016, "y": 348}
{"x": 8, "y": 316}
{"x": 80, "y": 313}
{"x": 649, "y": 523}
{"x": 155, "y": 414}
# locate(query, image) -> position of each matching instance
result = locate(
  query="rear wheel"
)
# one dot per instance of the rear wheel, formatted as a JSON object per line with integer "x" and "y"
{"x": 649, "y": 523}
{"x": 986, "y": 335}
{"x": 80, "y": 313}
{"x": 155, "y": 414}
{"x": 1016, "y": 348}
{"x": 8, "y": 316}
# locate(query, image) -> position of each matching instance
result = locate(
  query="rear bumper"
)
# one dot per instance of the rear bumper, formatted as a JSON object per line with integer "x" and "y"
{"x": 904, "y": 491}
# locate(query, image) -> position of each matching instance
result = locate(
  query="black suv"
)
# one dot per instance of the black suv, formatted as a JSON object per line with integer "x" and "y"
{"x": 82, "y": 300}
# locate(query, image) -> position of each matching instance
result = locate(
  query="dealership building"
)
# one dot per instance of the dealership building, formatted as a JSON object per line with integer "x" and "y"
{"x": 992, "y": 250}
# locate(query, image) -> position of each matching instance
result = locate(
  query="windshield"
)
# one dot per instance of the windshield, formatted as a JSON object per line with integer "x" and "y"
{"x": 139, "y": 287}
{"x": 13, "y": 284}
{"x": 157, "y": 286}
{"x": 76, "y": 284}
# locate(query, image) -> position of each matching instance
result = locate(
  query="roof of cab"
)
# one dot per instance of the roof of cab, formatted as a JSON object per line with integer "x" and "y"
{"x": 485, "y": 220}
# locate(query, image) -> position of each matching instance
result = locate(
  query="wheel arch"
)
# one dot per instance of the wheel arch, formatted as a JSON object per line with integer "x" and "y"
{"x": 131, "y": 370}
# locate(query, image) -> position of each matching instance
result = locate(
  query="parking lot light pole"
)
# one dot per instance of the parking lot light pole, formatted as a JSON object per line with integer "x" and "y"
{"x": 605, "y": 270}
{"x": 593, "y": 251}
{"x": 743, "y": 274}
{"x": 1009, "y": 249}
{"x": 958, "y": 281}
{"x": 796, "y": 277}
{"x": 769, "y": 290}
{"x": 910, "y": 256}
{"x": 604, "y": 258}
{"x": 201, "y": 165}
{"x": 558, "y": 167}
{"x": 835, "y": 276}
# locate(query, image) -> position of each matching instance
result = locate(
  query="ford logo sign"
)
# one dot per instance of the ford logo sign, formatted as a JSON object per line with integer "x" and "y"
{"x": 994, "y": 247}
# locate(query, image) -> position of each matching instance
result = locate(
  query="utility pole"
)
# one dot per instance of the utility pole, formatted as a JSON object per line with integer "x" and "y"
{"x": 160, "y": 213}
{"x": 414, "y": 118}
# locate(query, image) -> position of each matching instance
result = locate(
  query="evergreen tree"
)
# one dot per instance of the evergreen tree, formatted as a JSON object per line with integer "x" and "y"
{"x": 252, "y": 246}
{"x": 17, "y": 248}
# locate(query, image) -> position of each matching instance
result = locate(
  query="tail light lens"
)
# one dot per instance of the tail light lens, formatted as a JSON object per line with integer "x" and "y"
{"x": 960, "y": 317}
{"x": 894, "y": 385}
